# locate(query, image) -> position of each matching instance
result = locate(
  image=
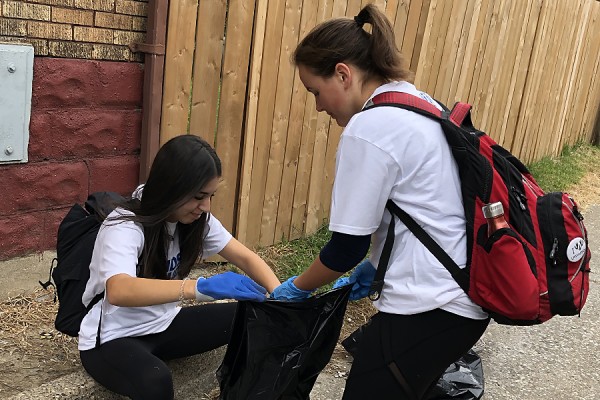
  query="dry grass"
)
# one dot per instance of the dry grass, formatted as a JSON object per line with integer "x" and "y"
{"x": 28, "y": 330}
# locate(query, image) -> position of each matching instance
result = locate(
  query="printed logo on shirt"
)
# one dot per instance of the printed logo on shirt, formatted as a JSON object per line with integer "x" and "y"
{"x": 173, "y": 266}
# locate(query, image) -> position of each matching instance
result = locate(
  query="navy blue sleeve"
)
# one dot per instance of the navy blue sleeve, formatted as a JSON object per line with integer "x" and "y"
{"x": 343, "y": 252}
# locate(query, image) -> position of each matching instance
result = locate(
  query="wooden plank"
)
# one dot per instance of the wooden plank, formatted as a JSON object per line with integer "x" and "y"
{"x": 178, "y": 69}
{"x": 305, "y": 159}
{"x": 502, "y": 100}
{"x": 256, "y": 59}
{"x": 391, "y": 8}
{"x": 339, "y": 8}
{"x": 451, "y": 52}
{"x": 314, "y": 205}
{"x": 472, "y": 49}
{"x": 406, "y": 24}
{"x": 462, "y": 45}
{"x": 471, "y": 45}
{"x": 498, "y": 100}
{"x": 483, "y": 89}
{"x": 283, "y": 96}
{"x": 397, "y": 14}
{"x": 208, "y": 56}
{"x": 417, "y": 47}
{"x": 587, "y": 105}
{"x": 291, "y": 166}
{"x": 520, "y": 52}
{"x": 228, "y": 136}
{"x": 593, "y": 103}
{"x": 544, "y": 70}
{"x": 513, "y": 137}
{"x": 423, "y": 69}
{"x": 492, "y": 91}
{"x": 333, "y": 138}
{"x": 353, "y": 8}
{"x": 527, "y": 116}
{"x": 483, "y": 33}
{"x": 555, "y": 101}
{"x": 264, "y": 120}
{"x": 578, "y": 45}
{"x": 300, "y": 202}
{"x": 439, "y": 32}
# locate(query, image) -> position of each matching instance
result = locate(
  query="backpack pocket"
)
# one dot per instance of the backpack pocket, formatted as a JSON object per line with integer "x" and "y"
{"x": 565, "y": 252}
{"x": 503, "y": 276}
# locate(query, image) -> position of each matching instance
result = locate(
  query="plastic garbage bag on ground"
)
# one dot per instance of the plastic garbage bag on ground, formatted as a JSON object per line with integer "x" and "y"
{"x": 462, "y": 380}
{"x": 277, "y": 349}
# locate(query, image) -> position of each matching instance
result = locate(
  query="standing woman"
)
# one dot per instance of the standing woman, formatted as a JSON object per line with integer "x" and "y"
{"x": 424, "y": 321}
{"x": 143, "y": 254}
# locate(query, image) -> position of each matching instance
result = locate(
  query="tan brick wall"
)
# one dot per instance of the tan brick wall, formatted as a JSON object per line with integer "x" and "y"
{"x": 86, "y": 29}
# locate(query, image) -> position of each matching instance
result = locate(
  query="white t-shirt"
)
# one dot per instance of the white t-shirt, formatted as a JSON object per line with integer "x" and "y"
{"x": 116, "y": 251}
{"x": 391, "y": 153}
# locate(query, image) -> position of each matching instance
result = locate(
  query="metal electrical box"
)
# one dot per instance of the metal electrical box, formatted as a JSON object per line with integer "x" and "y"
{"x": 16, "y": 77}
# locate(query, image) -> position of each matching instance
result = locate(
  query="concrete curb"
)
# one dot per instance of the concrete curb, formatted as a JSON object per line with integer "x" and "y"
{"x": 194, "y": 378}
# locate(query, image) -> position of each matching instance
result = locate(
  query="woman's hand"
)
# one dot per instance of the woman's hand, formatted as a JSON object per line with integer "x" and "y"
{"x": 229, "y": 285}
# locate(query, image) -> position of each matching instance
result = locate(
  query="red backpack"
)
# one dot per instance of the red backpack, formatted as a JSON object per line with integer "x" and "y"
{"x": 525, "y": 274}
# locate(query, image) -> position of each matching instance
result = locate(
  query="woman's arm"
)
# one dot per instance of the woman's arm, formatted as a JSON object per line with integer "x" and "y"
{"x": 316, "y": 276}
{"x": 127, "y": 291}
{"x": 249, "y": 262}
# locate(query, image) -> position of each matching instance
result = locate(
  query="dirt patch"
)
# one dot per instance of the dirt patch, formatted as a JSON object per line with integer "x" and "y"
{"x": 32, "y": 352}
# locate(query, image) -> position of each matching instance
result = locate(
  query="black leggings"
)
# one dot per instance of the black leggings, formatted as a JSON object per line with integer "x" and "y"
{"x": 401, "y": 357}
{"x": 134, "y": 366}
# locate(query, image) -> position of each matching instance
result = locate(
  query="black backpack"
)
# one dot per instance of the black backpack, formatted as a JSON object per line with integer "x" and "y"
{"x": 74, "y": 246}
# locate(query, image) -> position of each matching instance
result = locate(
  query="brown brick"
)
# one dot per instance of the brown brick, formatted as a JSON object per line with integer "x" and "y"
{"x": 126, "y": 38}
{"x": 109, "y": 52}
{"x": 46, "y": 30}
{"x": 63, "y": 3}
{"x": 40, "y": 46}
{"x": 97, "y": 5}
{"x": 139, "y": 24}
{"x": 18, "y": 9}
{"x": 130, "y": 7}
{"x": 116, "y": 21}
{"x": 137, "y": 57}
{"x": 13, "y": 27}
{"x": 92, "y": 35}
{"x": 70, "y": 49}
{"x": 70, "y": 16}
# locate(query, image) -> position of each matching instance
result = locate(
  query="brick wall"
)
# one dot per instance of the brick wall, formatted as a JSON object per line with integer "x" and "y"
{"x": 85, "y": 126}
{"x": 85, "y": 29}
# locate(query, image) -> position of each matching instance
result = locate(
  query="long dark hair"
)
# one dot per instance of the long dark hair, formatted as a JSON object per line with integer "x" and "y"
{"x": 181, "y": 168}
{"x": 344, "y": 40}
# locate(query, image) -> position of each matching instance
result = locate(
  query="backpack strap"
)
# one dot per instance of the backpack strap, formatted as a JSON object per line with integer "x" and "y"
{"x": 458, "y": 116}
{"x": 377, "y": 285}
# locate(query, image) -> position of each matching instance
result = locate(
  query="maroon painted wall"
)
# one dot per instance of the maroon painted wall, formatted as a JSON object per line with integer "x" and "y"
{"x": 84, "y": 137}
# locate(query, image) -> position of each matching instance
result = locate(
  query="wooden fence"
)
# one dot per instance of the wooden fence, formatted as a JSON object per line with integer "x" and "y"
{"x": 531, "y": 68}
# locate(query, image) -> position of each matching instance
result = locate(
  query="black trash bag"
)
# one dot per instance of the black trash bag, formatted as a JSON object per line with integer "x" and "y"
{"x": 462, "y": 380}
{"x": 277, "y": 349}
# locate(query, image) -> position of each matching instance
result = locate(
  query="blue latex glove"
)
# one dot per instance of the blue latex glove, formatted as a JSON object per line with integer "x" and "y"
{"x": 361, "y": 279}
{"x": 229, "y": 285}
{"x": 287, "y": 291}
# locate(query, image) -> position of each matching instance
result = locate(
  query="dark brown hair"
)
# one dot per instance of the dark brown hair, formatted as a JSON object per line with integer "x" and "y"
{"x": 344, "y": 40}
{"x": 181, "y": 168}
